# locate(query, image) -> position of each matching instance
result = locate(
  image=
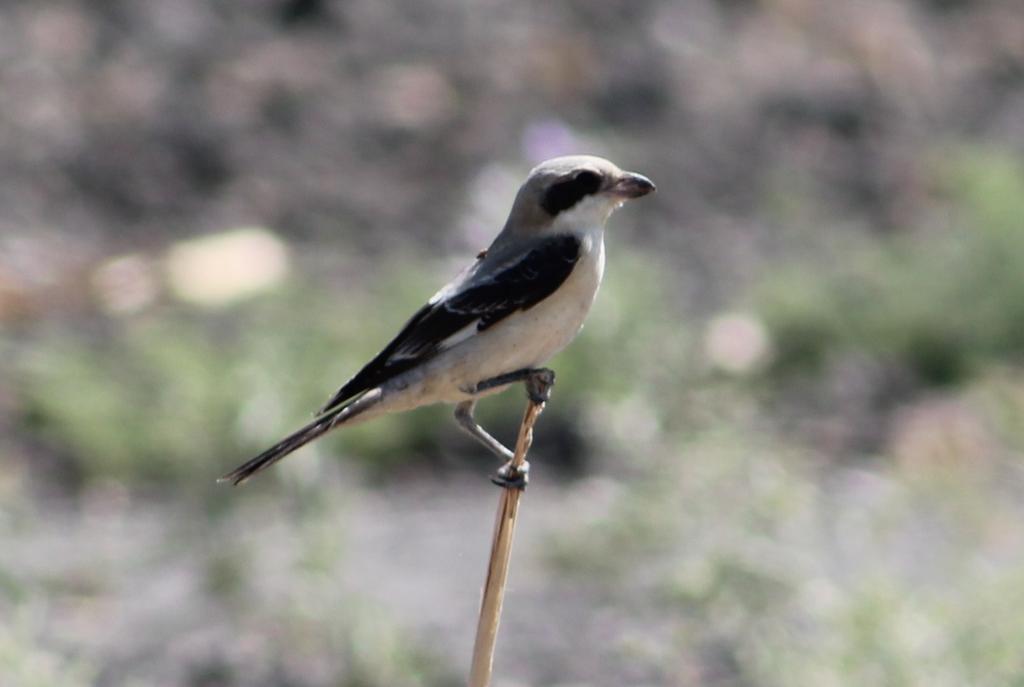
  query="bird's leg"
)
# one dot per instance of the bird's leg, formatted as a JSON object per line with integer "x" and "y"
{"x": 464, "y": 416}
{"x": 538, "y": 389}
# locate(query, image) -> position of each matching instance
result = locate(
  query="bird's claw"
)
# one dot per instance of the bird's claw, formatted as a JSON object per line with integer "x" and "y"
{"x": 511, "y": 477}
{"x": 539, "y": 384}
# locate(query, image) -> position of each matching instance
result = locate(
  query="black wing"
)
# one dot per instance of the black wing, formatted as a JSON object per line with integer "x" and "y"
{"x": 518, "y": 286}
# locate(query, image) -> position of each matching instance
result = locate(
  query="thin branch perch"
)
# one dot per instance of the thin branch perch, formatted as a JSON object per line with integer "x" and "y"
{"x": 501, "y": 551}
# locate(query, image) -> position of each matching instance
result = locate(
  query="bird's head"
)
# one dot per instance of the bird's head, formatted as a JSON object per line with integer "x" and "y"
{"x": 573, "y": 193}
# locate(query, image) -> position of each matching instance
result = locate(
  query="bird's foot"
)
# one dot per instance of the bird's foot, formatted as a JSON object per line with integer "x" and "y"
{"x": 511, "y": 477}
{"x": 539, "y": 384}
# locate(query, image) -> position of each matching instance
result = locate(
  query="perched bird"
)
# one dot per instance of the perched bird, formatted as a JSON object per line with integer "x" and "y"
{"x": 523, "y": 300}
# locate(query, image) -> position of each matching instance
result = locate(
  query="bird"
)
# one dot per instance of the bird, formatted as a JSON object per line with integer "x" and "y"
{"x": 521, "y": 301}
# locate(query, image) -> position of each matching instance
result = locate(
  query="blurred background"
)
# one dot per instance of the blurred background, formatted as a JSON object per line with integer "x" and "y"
{"x": 785, "y": 451}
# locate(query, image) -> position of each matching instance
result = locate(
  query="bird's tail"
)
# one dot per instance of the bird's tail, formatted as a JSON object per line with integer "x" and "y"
{"x": 318, "y": 427}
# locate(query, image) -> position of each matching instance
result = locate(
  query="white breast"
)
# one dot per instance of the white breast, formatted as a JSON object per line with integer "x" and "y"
{"x": 548, "y": 327}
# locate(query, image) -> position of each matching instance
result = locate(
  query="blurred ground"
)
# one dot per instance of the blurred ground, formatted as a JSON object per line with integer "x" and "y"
{"x": 786, "y": 449}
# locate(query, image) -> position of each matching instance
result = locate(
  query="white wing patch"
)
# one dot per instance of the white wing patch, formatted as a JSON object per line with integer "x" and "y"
{"x": 459, "y": 336}
{"x": 414, "y": 352}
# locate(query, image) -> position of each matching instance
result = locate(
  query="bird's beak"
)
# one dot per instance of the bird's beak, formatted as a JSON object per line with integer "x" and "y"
{"x": 632, "y": 185}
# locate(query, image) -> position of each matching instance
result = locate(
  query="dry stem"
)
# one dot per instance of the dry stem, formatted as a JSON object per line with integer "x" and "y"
{"x": 501, "y": 551}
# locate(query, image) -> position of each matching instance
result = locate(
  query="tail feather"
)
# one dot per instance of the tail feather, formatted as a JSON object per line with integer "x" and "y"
{"x": 300, "y": 438}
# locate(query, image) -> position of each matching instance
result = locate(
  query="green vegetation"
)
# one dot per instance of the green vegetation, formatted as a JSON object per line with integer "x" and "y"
{"x": 939, "y": 303}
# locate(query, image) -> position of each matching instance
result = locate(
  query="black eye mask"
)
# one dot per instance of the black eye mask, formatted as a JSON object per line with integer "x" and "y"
{"x": 565, "y": 194}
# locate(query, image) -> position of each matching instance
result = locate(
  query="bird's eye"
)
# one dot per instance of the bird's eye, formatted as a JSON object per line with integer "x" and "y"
{"x": 565, "y": 194}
